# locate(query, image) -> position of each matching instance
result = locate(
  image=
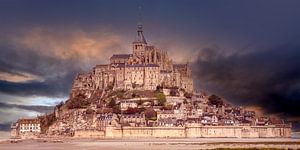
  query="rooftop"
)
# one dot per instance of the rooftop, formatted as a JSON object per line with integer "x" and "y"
{"x": 122, "y": 65}
{"x": 28, "y": 121}
{"x": 122, "y": 56}
{"x": 179, "y": 65}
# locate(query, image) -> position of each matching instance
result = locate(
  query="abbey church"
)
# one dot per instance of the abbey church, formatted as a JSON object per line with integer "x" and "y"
{"x": 145, "y": 69}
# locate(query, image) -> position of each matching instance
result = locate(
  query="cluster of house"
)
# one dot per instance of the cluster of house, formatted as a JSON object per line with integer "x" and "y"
{"x": 186, "y": 111}
{"x": 178, "y": 111}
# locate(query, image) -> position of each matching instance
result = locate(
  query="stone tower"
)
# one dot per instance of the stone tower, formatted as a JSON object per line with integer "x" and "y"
{"x": 139, "y": 45}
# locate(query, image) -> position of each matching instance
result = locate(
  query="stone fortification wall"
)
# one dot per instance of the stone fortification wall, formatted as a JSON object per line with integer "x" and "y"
{"x": 89, "y": 134}
{"x": 200, "y": 131}
{"x": 238, "y": 131}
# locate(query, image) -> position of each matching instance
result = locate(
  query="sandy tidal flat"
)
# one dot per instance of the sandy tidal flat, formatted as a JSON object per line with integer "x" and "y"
{"x": 159, "y": 144}
{"x": 4, "y": 136}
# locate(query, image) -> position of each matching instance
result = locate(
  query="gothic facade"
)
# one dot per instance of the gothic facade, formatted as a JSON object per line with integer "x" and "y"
{"x": 146, "y": 68}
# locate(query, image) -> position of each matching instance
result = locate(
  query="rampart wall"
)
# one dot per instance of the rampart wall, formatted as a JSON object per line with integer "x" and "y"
{"x": 200, "y": 131}
{"x": 89, "y": 134}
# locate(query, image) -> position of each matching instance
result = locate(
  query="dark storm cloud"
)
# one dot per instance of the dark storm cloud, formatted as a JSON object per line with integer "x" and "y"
{"x": 40, "y": 109}
{"x": 56, "y": 75}
{"x": 44, "y": 62}
{"x": 267, "y": 78}
{"x": 4, "y": 126}
{"x": 52, "y": 88}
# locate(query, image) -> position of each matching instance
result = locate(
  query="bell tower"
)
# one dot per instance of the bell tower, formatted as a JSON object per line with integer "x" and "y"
{"x": 139, "y": 43}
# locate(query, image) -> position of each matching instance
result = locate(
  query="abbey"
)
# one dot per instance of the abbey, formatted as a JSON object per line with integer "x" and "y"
{"x": 145, "y": 69}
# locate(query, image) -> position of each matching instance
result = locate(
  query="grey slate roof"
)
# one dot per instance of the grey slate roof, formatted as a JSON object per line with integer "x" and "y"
{"x": 122, "y": 65}
{"x": 179, "y": 65}
{"x": 124, "y": 56}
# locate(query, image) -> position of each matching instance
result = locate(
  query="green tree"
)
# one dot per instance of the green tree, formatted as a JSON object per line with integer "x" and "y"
{"x": 133, "y": 95}
{"x": 76, "y": 103}
{"x": 79, "y": 101}
{"x": 117, "y": 109}
{"x": 131, "y": 110}
{"x": 112, "y": 103}
{"x": 46, "y": 121}
{"x": 168, "y": 107}
{"x": 89, "y": 111}
{"x": 173, "y": 92}
{"x": 139, "y": 102}
{"x": 185, "y": 101}
{"x": 159, "y": 88}
{"x": 215, "y": 100}
{"x": 161, "y": 98}
{"x": 120, "y": 94}
{"x": 150, "y": 114}
{"x": 134, "y": 85}
{"x": 188, "y": 95}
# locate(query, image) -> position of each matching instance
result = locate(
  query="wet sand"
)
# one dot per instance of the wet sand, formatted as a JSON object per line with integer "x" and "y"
{"x": 151, "y": 143}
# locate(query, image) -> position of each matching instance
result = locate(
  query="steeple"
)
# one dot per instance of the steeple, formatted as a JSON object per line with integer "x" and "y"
{"x": 140, "y": 36}
{"x": 140, "y": 43}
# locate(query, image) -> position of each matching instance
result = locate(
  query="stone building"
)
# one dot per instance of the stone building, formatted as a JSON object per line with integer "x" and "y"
{"x": 146, "y": 68}
{"x": 106, "y": 120}
{"x": 26, "y": 128}
{"x": 133, "y": 119}
{"x": 166, "y": 114}
{"x": 128, "y": 104}
{"x": 29, "y": 125}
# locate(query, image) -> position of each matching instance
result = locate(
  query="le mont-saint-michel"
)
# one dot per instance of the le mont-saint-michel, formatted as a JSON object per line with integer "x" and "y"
{"x": 145, "y": 94}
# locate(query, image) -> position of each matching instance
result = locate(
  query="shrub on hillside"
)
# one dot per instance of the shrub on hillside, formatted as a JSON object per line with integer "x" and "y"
{"x": 131, "y": 110}
{"x": 46, "y": 121}
{"x": 215, "y": 100}
{"x": 77, "y": 104}
{"x": 89, "y": 111}
{"x": 168, "y": 107}
{"x": 79, "y": 101}
{"x": 173, "y": 92}
{"x": 161, "y": 98}
{"x": 112, "y": 103}
{"x": 188, "y": 95}
{"x": 104, "y": 110}
{"x": 150, "y": 114}
{"x": 117, "y": 109}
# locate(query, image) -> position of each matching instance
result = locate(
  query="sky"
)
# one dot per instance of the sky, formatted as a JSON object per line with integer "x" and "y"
{"x": 245, "y": 51}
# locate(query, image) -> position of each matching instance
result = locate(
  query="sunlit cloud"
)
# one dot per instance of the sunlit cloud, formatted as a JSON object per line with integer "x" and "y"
{"x": 18, "y": 77}
{"x": 14, "y": 99}
{"x": 12, "y": 114}
{"x": 76, "y": 44}
{"x": 46, "y": 101}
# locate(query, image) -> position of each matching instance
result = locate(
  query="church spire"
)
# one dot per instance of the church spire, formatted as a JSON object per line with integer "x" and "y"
{"x": 140, "y": 36}
{"x": 140, "y": 43}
